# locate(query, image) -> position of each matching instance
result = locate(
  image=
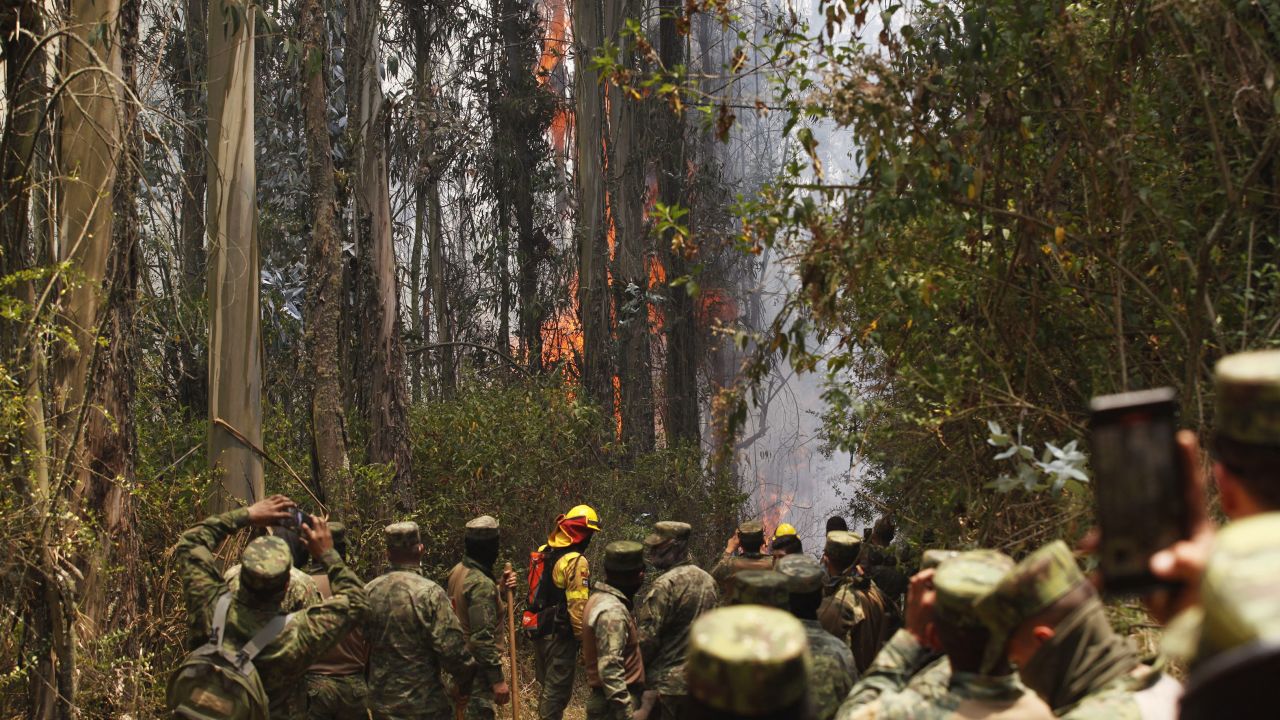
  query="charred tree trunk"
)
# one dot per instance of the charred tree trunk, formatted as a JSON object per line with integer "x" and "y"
{"x": 439, "y": 298}
{"x": 324, "y": 277}
{"x": 415, "y": 288}
{"x": 627, "y": 194}
{"x": 593, "y": 250}
{"x": 191, "y": 365}
{"x": 682, "y": 416}
{"x": 383, "y": 345}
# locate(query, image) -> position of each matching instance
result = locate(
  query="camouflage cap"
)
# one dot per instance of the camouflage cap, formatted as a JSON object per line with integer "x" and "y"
{"x": 759, "y": 587}
{"x": 804, "y": 574}
{"x": 265, "y": 564}
{"x": 931, "y": 559}
{"x": 402, "y": 536}
{"x": 338, "y": 531}
{"x": 751, "y": 534}
{"x": 843, "y": 546}
{"x": 484, "y": 527}
{"x": 963, "y": 580}
{"x": 748, "y": 660}
{"x": 667, "y": 530}
{"x": 1248, "y": 388}
{"x": 624, "y": 556}
{"x": 1038, "y": 581}
{"x": 1240, "y": 587}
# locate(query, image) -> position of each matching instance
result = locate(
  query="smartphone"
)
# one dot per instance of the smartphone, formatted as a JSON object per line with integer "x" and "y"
{"x": 1138, "y": 484}
{"x": 296, "y": 519}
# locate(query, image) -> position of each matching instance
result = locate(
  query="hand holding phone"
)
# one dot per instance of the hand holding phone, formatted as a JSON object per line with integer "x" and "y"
{"x": 1142, "y": 503}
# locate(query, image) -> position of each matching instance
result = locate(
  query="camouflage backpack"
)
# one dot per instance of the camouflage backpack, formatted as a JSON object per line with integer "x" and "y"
{"x": 214, "y": 682}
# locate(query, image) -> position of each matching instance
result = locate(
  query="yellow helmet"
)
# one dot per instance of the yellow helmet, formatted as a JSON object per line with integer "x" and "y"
{"x": 585, "y": 511}
{"x": 784, "y": 529}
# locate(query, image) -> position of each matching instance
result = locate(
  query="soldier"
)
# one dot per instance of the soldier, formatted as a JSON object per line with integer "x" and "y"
{"x": 748, "y": 662}
{"x": 264, "y": 582}
{"x": 1246, "y": 471}
{"x": 912, "y": 660}
{"x": 559, "y": 607}
{"x": 882, "y": 565}
{"x": 303, "y": 591}
{"x": 610, "y": 640}
{"x": 474, "y": 596}
{"x": 785, "y": 542}
{"x": 854, "y": 609}
{"x": 742, "y": 552}
{"x": 982, "y": 685}
{"x": 1064, "y": 647}
{"x": 680, "y": 594}
{"x": 759, "y": 587}
{"x": 1236, "y": 629}
{"x": 412, "y": 634}
{"x": 833, "y": 672}
{"x": 336, "y": 689}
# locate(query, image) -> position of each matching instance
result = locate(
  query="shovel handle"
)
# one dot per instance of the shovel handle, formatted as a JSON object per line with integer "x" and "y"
{"x": 511, "y": 637}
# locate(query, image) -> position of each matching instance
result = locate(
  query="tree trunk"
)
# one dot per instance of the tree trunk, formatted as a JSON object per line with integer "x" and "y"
{"x": 324, "y": 279}
{"x": 111, "y": 592}
{"x": 683, "y": 419}
{"x": 415, "y": 288}
{"x": 439, "y": 300}
{"x": 627, "y": 197}
{"x": 593, "y": 251}
{"x": 235, "y": 345}
{"x": 192, "y": 365}
{"x": 388, "y": 436}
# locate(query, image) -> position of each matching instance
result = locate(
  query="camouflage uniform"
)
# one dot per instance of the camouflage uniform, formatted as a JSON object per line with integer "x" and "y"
{"x": 413, "y": 635}
{"x": 310, "y": 632}
{"x": 680, "y": 595}
{"x": 854, "y": 610}
{"x": 751, "y": 538}
{"x": 1086, "y": 670}
{"x": 833, "y": 672}
{"x": 960, "y": 583}
{"x": 1233, "y": 633}
{"x": 611, "y": 642}
{"x": 336, "y": 688}
{"x": 474, "y": 596}
{"x": 748, "y": 661}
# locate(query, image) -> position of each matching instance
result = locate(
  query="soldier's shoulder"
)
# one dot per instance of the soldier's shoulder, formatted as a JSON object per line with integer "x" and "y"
{"x": 908, "y": 705}
{"x": 1114, "y": 702}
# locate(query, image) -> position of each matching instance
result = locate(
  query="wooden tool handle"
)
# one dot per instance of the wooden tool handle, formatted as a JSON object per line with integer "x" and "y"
{"x": 511, "y": 636}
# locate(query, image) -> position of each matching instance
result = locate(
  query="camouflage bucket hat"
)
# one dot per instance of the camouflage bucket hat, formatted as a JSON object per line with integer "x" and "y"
{"x": 751, "y": 534}
{"x": 624, "y": 556}
{"x": 1240, "y": 590}
{"x": 759, "y": 587}
{"x": 484, "y": 527}
{"x": 748, "y": 660}
{"x": 265, "y": 564}
{"x": 843, "y": 546}
{"x": 931, "y": 559}
{"x": 1248, "y": 390}
{"x": 961, "y": 581}
{"x": 1038, "y": 581}
{"x": 665, "y": 531}
{"x": 402, "y": 536}
{"x": 804, "y": 574}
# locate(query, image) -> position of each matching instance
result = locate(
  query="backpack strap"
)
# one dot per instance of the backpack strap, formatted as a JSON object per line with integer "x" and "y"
{"x": 263, "y": 638}
{"x": 219, "y": 627}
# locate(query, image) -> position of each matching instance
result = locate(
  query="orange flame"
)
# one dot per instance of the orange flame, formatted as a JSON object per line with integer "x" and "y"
{"x": 774, "y": 505}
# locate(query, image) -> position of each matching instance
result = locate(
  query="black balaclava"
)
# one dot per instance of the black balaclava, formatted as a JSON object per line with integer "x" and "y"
{"x": 484, "y": 552}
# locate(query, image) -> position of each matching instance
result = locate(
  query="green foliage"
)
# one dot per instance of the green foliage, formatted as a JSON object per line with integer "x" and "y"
{"x": 1048, "y": 201}
{"x": 526, "y": 453}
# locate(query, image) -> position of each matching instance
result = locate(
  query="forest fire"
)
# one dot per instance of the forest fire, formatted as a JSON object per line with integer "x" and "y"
{"x": 774, "y": 505}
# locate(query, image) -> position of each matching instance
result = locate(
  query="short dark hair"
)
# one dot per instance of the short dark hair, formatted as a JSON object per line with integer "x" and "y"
{"x": 884, "y": 530}
{"x": 805, "y": 605}
{"x": 789, "y": 543}
{"x": 964, "y": 644}
{"x": 836, "y": 522}
{"x": 1256, "y": 466}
